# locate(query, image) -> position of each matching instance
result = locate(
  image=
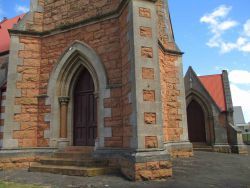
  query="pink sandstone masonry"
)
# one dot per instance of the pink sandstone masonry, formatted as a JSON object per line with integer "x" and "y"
{"x": 136, "y": 75}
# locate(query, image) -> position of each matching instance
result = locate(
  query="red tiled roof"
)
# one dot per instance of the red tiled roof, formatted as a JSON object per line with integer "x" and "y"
{"x": 4, "y": 34}
{"x": 214, "y": 86}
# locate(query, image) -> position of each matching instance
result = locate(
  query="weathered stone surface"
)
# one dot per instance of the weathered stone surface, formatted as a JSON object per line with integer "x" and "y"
{"x": 148, "y": 73}
{"x": 16, "y": 162}
{"x": 144, "y": 12}
{"x": 150, "y": 118}
{"x": 147, "y": 52}
{"x": 149, "y": 95}
{"x": 146, "y": 31}
{"x": 151, "y": 142}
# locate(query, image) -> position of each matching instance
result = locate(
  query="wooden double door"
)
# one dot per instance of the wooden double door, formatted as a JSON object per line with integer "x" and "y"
{"x": 85, "y": 111}
{"x": 196, "y": 123}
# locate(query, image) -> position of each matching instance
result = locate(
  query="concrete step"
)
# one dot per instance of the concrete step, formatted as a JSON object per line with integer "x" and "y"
{"x": 73, "y": 162}
{"x": 208, "y": 149}
{"x": 202, "y": 147}
{"x": 72, "y": 155}
{"x": 199, "y": 144}
{"x": 73, "y": 170}
{"x": 80, "y": 149}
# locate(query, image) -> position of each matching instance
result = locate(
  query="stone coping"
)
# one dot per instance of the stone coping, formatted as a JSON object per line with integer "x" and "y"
{"x": 25, "y": 152}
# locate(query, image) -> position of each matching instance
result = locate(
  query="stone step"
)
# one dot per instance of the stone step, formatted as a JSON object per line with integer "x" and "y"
{"x": 73, "y": 162}
{"x": 73, "y": 170}
{"x": 72, "y": 155}
{"x": 80, "y": 149}
{"x": 208, "y": 149}
{"x": 199, "y": 146}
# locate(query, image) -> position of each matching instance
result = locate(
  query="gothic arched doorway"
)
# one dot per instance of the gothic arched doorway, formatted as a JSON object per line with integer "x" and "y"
{"x": 85, "y": 111}
{"x": 196, "y": 123}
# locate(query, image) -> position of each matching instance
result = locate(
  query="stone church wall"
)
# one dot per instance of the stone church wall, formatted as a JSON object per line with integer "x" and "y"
{"x": 40, "y": 55}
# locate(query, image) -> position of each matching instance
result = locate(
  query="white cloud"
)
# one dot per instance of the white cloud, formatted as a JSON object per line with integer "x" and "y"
{"x": 242, "y": 44}
{"x": 241, "y": 97}
{"x": 247, "y": 28}
{"x": 21, "y": 9}
{"x": 239, "y": 77}
{"x": 246, "y": 48}
{"x": 223, "y": 26}
{"x": 218, "y": 23}
{"x": 219, "y": 12}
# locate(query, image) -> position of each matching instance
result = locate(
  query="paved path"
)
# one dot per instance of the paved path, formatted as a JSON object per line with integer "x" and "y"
{"x": 205, "y": 169}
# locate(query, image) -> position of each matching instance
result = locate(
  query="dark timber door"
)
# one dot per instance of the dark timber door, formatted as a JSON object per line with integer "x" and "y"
{"x": 85, "y": 115}
{"x": 196, "y": 123}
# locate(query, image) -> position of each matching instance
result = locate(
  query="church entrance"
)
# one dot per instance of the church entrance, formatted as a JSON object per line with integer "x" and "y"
{"x": 85, "y": 111}
{"x": 196, "y": 123}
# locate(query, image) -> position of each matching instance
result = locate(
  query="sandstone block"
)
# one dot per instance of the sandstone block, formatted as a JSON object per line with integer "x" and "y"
{"x": 150, "y": 118}
{"x": 151, "y": 142}
{"x": 144, "y": 12}
{"x": 147, "y": 52}
{"x": 148, "y": 73}
{"x": 149, "y": 95}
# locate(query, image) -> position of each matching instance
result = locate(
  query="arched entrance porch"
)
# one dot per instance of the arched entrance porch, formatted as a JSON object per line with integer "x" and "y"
{"x": 200, "y": 119}
{"x": 196, "y": 123}
{"x": 78, "y": 63}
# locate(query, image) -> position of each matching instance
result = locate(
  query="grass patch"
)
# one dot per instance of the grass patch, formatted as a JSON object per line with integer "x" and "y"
{"x": 17, "y": 185}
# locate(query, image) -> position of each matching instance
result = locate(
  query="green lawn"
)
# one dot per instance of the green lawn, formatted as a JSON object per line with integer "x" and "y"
{"x": 246, "y": 138}
{"x": 17, "y": 185}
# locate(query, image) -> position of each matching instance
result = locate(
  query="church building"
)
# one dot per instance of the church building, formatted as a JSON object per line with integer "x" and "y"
{"x": 210, "y": 111}
{"x": 96, "y": 87}
{"x": 103, "y": 76}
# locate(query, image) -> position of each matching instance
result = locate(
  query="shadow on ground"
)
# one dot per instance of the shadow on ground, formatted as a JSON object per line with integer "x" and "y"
{"x": 205, "y": 169}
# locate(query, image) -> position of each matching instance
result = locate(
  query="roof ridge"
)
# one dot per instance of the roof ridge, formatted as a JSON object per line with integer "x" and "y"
{"x": 4, "y": 20}
{"x": 5, "y": 25}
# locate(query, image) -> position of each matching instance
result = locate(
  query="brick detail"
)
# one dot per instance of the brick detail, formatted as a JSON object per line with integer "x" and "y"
{"x": 153, "y": 170}
{"x": 126, "y": 110}
{"x": 146, "y": 31}
{"x": 148, "y": 73}
{"x": 149, "y": 95}
{"x": 146, "y": 52}
{"x": 7, "y": 163}
{"x": 172, "y": 116}
{"x": 164, "y": 26}
{"x": 151, "y": 142}
{"x": 144, "y": 12}
{"x": 2, "y": 107}
{"x": 114, "y": 142}
{"x": 150, "y": 118}
{"x": 63, "y": 13}
{"x": 109, "y": 39}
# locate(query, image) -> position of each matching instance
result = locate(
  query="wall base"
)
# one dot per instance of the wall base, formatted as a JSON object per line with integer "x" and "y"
{"x": 179, "y": 149}
{"x": 222, "y": 148}
{"x": 63, "y": 143}
{"x": 239, "y": 149}
{"x": 21, "y": 158}
{"x": 139, "y": 165}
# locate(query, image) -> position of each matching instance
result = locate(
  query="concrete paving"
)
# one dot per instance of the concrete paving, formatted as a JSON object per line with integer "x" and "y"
{"x": 205, "y": 169}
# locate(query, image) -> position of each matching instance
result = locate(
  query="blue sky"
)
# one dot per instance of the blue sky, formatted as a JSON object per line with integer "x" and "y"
{"x": 214, "y": 34}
